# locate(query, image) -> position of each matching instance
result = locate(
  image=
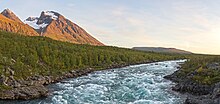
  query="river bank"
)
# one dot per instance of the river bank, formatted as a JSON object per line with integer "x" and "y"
{"x": 142, "y": 83}
{"x": 34, "y": 87}
{"x": 196, "y": 93}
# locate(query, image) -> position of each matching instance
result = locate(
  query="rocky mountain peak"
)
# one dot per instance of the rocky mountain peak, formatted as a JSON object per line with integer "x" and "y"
{"x": 47, "y": 17}
{"x": 39, "y": 23}
{"x": 9, "y": 14}
{"x": 15, "y": 26}
{"x": 54, "y": 25}
{"x": 7, "y": 11}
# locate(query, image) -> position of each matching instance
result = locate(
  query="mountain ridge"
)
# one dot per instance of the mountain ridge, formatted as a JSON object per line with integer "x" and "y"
{"x": 162, "y": 50}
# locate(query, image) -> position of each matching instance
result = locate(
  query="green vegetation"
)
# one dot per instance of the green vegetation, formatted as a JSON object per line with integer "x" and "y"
{"x": 204, "y": 69}
{"x": 30, "y": 56}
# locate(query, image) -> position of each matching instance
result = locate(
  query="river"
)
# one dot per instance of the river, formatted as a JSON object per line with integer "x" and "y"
{"x": 137, "y": 84}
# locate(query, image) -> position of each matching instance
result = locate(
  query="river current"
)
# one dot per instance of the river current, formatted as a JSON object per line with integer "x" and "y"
{"x": 137, "y": 84}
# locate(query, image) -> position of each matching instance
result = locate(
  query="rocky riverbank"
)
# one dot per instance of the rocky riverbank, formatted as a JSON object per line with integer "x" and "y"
{"x": 34, "y": 87}
{"x": 196, "y": 93}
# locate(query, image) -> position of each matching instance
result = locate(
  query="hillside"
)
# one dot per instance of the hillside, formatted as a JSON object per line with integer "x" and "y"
{"x": 31, "y": 62}
{"x": 162, "y": 50}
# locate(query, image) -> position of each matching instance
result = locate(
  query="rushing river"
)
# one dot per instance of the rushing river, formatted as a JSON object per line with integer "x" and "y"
{"x": 138, "y": 84}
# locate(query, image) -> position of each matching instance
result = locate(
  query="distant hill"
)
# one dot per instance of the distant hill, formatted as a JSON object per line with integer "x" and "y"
{"x": 162, "y": 49}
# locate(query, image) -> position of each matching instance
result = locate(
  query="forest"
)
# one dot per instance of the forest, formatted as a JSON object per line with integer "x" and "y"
{"x": 30, "y": 56}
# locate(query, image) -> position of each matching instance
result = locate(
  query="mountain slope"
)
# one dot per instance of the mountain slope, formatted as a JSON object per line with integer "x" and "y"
{"x": 53, "y": 25}
{"x": 9, "y": 22}
{"x": 161, "y": 49}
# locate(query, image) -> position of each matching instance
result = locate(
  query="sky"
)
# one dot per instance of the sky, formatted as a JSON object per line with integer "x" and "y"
{"x": 192, "y": 25}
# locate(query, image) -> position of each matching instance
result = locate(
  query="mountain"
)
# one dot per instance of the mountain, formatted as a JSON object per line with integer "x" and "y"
{"x": 54, "y": 25}
{"x": 11, "y": 23}
{"x": 9, "y": 14}
{"x": 161, "y": 49}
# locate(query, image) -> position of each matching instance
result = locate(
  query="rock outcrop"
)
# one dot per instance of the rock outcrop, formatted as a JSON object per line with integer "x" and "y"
{"x": 34, "y": 87}
{"x": 25, "y": 93}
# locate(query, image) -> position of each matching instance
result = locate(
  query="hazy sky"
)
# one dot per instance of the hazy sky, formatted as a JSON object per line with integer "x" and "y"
{"x": 186, "y": 24}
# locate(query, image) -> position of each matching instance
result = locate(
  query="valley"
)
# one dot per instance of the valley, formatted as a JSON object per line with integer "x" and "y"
{"x": 42, "y": 59}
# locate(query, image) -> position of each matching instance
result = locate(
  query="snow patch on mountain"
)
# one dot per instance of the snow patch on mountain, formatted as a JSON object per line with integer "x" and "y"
{"x": 43, "y": 21}
{"x": 32, "y": 21}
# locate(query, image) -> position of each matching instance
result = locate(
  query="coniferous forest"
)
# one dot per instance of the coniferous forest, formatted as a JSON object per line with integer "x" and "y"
{"x": 30, "y": 56}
